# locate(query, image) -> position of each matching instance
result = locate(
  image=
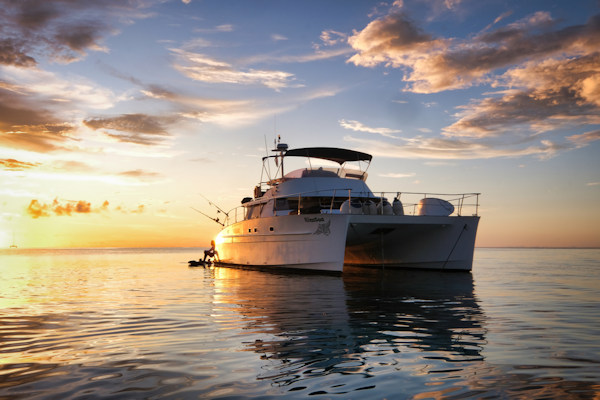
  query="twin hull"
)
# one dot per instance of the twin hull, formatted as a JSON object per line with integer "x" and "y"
{"x": 326, "y": 241}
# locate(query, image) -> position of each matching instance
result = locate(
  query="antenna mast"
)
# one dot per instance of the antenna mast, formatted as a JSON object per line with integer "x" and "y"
{"x": 281, "y": 148}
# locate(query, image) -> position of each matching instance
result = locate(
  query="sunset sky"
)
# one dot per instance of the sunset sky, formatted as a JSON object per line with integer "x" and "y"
{"x": 119, "y": 116}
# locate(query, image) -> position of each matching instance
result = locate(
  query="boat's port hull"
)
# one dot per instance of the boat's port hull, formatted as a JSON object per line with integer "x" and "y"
{"x": 325, "y": 242}
{"x": 424, "y": 242}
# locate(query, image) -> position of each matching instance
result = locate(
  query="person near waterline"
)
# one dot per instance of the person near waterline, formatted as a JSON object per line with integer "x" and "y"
{"x": 212, "y": 252}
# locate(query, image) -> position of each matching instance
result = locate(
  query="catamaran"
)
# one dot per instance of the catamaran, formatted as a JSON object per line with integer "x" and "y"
{"x": 322, "y": 218}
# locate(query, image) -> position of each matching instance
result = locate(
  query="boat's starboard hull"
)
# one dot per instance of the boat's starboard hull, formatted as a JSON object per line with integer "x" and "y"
{"x": 309, "y": 242}
{"x": 424, "y": 242}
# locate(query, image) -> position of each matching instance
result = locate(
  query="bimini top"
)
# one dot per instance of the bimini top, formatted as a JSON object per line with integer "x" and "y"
{"x": 339, "y": 156}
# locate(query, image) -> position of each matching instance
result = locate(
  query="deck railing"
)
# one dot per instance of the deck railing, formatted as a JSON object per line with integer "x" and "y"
{"x": 463, "y": 203}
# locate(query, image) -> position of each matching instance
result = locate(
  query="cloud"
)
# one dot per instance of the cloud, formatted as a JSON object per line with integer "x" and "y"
{"x": 13, "y": 52}
{"x": 61, "y": 208}
{"x": 35, "y": 209}
{"x": 195, "y": 104}
{"x": 437, "y": 64}
{"x": 330, "y": 37}
{"x": 140, "y": 174}
{"x": 390, "y": 40}
{"x": 71, "y": 166}
{"x": 26, "y": 123}
{"x": 360, "y": 127}
{"x": 544, "y": 96}
{"x": 546, "y": 79}
{"x": 40, "y": 113}
{"x": 276, "y": 37}
{"x": 585, "y": 138}
{"x": 216, "y": 29}
{"x": 38, "y": 138}
{"x": 195, "y": 107}
{"x": 420, "y": 147}
{"x": 202, "y": 68}
{"x": 62, "y": 30}
{"x": 398, "y": 175}
{"x": 232, "y": 112}
{"x": 138, "y": 210}
{"x": 140, "y": 129}
{"x": 15, "y": 165}
{"x": 48, "y": 91}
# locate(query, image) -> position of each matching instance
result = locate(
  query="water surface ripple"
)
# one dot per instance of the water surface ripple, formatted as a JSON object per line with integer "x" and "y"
{"x": 85, "y": 324}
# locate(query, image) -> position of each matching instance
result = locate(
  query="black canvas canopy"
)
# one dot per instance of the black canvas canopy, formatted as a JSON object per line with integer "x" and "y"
{"x": 339, "y": 156}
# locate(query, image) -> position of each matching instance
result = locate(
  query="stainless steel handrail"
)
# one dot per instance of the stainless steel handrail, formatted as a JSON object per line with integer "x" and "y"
{"x": 458, "y": 200}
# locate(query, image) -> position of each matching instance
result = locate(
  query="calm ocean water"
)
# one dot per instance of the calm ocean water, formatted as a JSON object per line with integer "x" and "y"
{"x": 133, "y": 324}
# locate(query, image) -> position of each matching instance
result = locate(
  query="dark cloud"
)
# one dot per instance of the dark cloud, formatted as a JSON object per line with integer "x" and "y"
{"x": 38, "y": 138}
{"x": 32, "y": 15}
{"x": 16, "y": 165}
{"x": 26, "y": 123}
{"x": 137, "y": 123}
{"x": 505, "y": 47}
{"x": 17, "y": 108}
{"x": 13, "y": 51}
{"x": 60, "y": 29}
{"x": 133, "y": 128}
{"x": 81, "y": 37}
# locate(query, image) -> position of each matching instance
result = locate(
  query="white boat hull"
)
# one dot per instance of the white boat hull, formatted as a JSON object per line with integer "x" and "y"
{"x": 309, "y": 242}
{"x": 325, "y": 242}
{"x": 424, "y": 242}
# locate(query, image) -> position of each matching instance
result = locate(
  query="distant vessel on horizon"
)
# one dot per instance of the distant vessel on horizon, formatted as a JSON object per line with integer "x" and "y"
{"x": 323, "y": 218}
{"x": 13, "y": 245}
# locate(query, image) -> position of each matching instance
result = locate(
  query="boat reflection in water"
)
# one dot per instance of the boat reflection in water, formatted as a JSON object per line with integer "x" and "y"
{"x": 380, "y": 324}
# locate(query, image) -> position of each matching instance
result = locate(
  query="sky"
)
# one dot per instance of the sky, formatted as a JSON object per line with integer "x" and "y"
{"x": 118, "y": 118}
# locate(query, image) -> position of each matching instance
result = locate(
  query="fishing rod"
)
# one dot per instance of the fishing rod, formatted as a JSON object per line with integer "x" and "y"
{"x": 214, "y": 205}
{"x": 209, "y": 217}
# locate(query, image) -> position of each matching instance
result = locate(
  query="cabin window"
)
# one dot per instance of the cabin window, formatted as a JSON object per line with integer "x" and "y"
{"x": 285, "y": 206}
{"x": 310, "y": 205}
{"x": 271, "y": 229}
{"x": 281, "y": 204}
{"x": 254, "y": 211}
